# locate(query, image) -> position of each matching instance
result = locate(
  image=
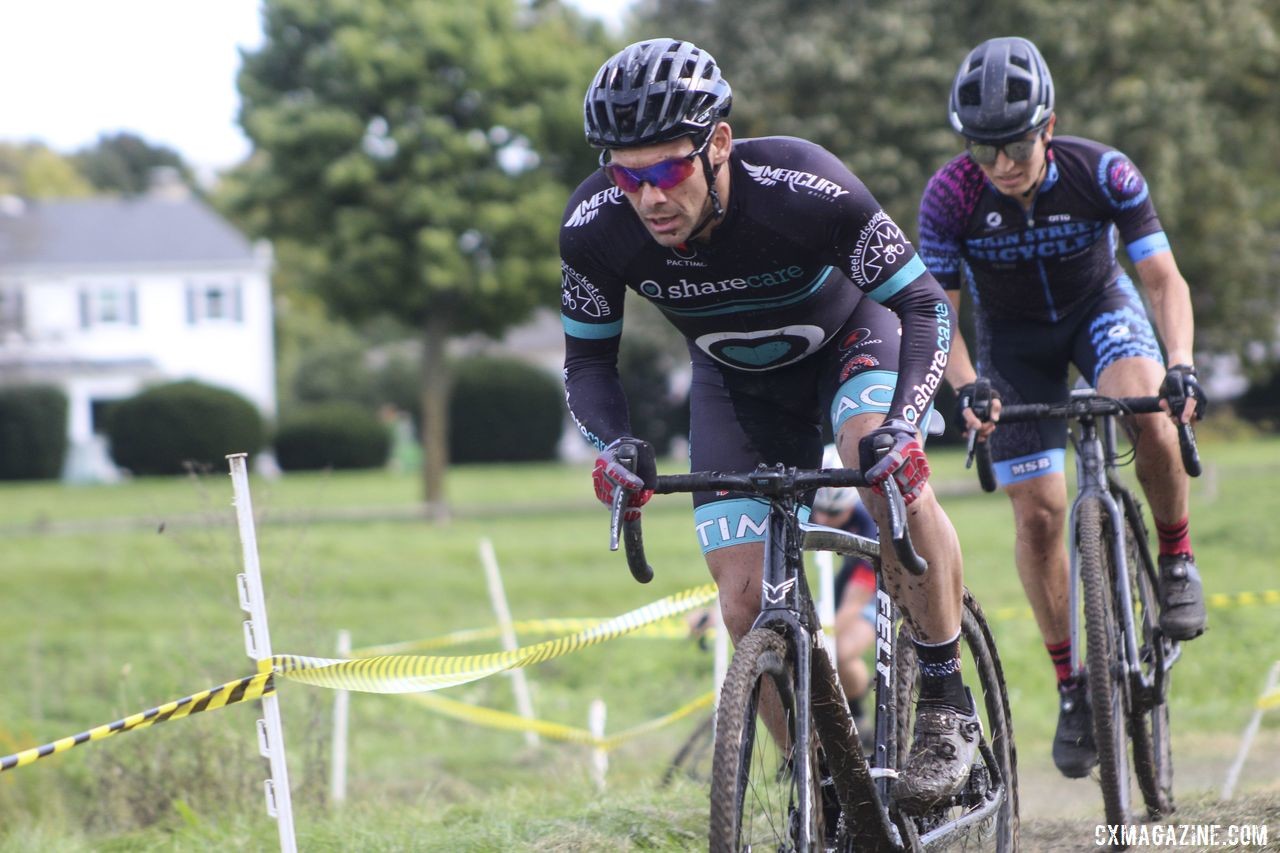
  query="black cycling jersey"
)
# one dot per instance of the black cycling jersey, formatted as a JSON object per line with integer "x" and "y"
{"x": 1039, "y": 264}
{"x": 802, "y": 242}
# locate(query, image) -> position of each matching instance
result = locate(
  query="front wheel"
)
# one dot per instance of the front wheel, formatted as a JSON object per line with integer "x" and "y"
{"x": 1108, "y": 683}
{"x": 993, "y": 783}
{"x": 756, "y": 802}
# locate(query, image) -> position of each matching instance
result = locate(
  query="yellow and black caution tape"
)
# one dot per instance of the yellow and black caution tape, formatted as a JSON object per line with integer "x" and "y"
{"x": 241, "y": 690}
{"x": 494, "y": 719}
{"x": 668, "y": 629}
{"x": 416, "y": 673}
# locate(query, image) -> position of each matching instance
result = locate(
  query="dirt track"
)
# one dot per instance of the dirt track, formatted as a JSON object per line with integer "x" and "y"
{"x": 1060, "y": 815}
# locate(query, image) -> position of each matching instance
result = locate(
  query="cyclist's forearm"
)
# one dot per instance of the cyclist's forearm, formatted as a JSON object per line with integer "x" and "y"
{"x": 1170, "y": 298}
{"x": 960, "y": 369}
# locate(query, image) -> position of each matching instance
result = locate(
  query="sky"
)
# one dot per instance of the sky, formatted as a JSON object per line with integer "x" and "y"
{"x": 71, "y": 70}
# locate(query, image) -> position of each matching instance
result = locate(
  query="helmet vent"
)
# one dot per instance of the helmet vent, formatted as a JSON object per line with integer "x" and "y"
{"x": 1017, "y": 90}
{"x": 970, "y": 95}
{"x": 1020, "y": 61}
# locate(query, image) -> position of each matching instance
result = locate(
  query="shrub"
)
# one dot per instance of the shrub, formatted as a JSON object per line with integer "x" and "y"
{"x": 503, "y": 410}
{"x": 33, "y": 432}
{"x": 331, "y": 435}
{"x": 162, "y": 429}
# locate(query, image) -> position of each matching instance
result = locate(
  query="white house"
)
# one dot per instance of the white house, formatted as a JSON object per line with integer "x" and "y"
{"x": 105, "y": 296}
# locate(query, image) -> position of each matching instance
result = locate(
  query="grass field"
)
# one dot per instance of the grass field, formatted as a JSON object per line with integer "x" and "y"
{"x": 120, "y": 598}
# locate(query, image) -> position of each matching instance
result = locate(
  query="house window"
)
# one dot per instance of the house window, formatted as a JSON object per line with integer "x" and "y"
{"x": 11, "y": 308}
{"x": 214, "y": 301}
{"x": 108, "y": 305}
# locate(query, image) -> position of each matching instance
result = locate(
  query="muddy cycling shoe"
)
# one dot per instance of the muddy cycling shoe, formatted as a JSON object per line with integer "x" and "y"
{"x": 1182, "y": 615}
{"x": 943, "y": 746}
{"x": 1074, "y": 752}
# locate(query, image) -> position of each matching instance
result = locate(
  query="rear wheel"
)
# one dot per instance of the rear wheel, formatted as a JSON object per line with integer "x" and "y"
{"x": 755, "y": 792}
{"x": 993, "y": 782}
{"x": 693, "y": 759}
{"x": 1108, "y": 685}
{"x": 1149, "y": 718}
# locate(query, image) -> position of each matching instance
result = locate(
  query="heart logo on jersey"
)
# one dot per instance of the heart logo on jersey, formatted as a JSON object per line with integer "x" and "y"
{"x": 762, "y": 350}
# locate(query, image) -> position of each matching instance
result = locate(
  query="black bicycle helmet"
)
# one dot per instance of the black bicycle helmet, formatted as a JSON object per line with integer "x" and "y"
{"x": 1003, "y": 90}
{"x": 655, "y": 91}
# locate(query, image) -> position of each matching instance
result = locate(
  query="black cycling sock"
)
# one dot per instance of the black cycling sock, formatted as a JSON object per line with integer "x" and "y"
{"x": 940, "y": 681}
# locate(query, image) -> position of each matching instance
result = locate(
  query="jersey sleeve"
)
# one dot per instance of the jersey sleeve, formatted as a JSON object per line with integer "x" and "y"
{"x": 882, "y": 263}
{"x": 591, "y": 303}
{"x": 1127, "y": 197}
{"x": 949, "y": 199}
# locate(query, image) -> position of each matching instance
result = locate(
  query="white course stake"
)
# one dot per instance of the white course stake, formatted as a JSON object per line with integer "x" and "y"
{"x": 599, "y": 755}
{"x": 524, "y": 704}
{"x": 258, "y": 647}
{"x": 1250, "y": 732}
{"x": 341, "y": 715}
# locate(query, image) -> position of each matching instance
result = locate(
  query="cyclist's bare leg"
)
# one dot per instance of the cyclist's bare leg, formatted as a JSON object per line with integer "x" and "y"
{"x": 931, "y": 604}
{"x": 854, "y": 635}
{"x": 736, "y": 571}
{"x": 1040, "y": 552}
{"x": 1158, "y": 460}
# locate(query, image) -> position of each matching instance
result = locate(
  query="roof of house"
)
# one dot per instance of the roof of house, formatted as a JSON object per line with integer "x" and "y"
{"x": 145, "y": 230}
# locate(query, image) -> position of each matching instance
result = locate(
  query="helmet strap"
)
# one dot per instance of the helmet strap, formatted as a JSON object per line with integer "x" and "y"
{"x": 717, "y": 209}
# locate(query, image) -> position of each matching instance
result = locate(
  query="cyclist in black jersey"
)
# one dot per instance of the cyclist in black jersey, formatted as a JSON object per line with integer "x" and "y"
{"x": 799, "y": 298}
{"x": 1030, "y": 221}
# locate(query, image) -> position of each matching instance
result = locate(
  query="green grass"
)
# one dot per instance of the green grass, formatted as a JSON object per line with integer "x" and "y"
{"x": 119, "y": 598}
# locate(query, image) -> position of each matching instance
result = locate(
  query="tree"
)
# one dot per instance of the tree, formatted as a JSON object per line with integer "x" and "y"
{"x": 32, "y": 170}
{"x": 126, "y": 164}
{"x": 426, "y": 146}
{"x": 1189, "y": 93}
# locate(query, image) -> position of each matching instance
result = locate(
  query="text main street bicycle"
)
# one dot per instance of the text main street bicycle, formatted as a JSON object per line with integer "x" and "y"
{"x": 818, "y": 790}
{"x": 1128, "y": 657}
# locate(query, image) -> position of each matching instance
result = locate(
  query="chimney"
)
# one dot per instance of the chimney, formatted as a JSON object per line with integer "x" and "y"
{"x": 165, "y": 183}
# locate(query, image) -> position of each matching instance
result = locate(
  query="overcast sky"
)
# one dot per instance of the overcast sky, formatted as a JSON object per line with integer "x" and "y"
{"x": 163, "y": 69}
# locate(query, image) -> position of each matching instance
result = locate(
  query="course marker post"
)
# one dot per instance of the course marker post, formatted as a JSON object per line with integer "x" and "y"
{"x": 498, "y": 596}
{"x": 599, "y": 756}
{"x": 258, "y": 647}
{"x": 341, "y": 724}
{"x": 1251, "y": 731}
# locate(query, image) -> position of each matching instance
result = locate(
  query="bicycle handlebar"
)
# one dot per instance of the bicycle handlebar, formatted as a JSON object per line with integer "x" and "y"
{"x": 1083, "y": 404}
{"x": 775, "y": 482}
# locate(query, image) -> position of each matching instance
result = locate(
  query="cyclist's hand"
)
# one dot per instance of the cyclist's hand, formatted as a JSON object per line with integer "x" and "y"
{"x": 610, "y": 474}
{"x": 1184, "y": 399}
{"x": 977, "y": 407}
{"x": 903, "y": 460}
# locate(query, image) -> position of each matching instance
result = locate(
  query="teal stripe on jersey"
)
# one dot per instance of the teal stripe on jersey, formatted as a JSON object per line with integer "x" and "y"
{"x": 1145, "y": 247}
{"x": 591, "y": 331}
{"x": 909, "y": 273}
{"x": 753, "y": 304}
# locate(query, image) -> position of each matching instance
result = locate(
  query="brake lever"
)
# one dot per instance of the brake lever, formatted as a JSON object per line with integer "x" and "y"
{"x": 615, "y": 516}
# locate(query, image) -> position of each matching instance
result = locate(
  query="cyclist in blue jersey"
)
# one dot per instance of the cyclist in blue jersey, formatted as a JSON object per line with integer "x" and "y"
{"x": 800, "y": 299}
{"x": 1030, "y": 221}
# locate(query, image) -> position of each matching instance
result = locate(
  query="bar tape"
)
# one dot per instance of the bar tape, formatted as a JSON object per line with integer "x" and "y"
{"x": 241, "y": 690}
{"x": 417, "y": 673}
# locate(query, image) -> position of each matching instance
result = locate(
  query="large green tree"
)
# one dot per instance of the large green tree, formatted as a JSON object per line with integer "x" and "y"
{"x": 428, "y": 148}
{"x": 1185, "y": 88}
{"x": 33, "y": 170}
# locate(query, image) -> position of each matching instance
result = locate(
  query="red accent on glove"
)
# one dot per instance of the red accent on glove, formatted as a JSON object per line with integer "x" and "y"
{"x": 607, "y": 476}
{"x": 907, "y": 464}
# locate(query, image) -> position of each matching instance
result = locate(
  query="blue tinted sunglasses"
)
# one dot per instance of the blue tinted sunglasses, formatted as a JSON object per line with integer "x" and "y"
{"x": 662, "y": 175}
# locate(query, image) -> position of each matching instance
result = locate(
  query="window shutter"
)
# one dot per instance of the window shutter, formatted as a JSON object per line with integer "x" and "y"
{"x": 132, "y": 305}
{"x": 237, "y": 303}
{"x": 86, "y": 319}
{"x": 191, "y": 304}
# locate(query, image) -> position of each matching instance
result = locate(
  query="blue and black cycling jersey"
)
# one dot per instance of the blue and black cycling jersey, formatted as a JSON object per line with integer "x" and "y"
{"x": 1039, "y": 264}
{"x": 801, "y": 245}
{"x": 1048, "y": 288}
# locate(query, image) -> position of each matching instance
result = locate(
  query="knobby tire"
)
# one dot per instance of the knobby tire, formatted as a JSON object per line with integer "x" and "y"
{"x": 1107, "y": 685}
{"x": 753, "y": 786}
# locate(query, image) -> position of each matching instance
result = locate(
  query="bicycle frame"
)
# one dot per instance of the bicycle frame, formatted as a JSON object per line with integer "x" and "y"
{"x": 1097, "y": 479}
